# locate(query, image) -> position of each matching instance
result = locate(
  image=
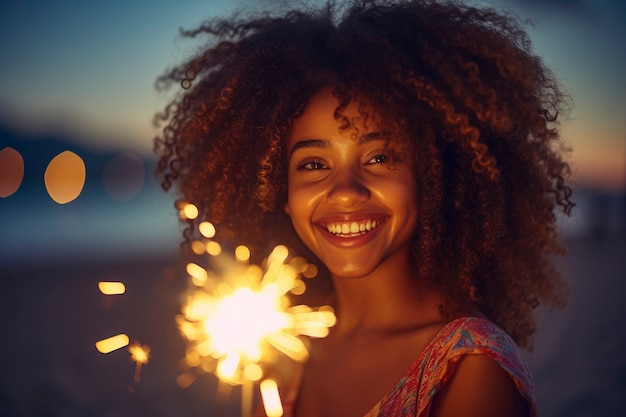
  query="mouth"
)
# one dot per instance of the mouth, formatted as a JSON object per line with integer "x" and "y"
{"x": 352, "y": 228}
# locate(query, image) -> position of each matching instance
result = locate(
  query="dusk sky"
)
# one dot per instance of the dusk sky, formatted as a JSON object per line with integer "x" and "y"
{"x": 86, "y": 69}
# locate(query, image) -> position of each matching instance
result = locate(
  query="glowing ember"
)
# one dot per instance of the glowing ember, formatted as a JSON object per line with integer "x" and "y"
{"x": 140, "y": 355}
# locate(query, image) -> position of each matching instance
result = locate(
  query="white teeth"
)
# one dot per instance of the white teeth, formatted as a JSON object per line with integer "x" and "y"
{"x": 351, "y": 228}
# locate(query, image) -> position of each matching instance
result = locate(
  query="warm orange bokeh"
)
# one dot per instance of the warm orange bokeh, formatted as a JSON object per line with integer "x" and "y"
{"x": 65, "y": 177}
{"x": 11, "y": 171}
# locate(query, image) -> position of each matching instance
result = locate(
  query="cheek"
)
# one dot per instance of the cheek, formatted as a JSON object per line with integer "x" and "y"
{"x": 403, "y": 194}
{"x": 294, "y": 206}
{"x": 303, "y": 198}
{"x": 300, "y": 207}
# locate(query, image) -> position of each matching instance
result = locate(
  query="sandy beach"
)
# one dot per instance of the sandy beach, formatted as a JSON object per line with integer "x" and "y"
{"x": 52, "y": 316}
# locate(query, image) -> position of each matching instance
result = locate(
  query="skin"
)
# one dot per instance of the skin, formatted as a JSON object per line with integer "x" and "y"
{"x": 342, "y": 176}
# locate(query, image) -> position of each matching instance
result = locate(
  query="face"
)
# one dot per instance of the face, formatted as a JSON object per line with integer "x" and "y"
{"x": 351, "y": 200}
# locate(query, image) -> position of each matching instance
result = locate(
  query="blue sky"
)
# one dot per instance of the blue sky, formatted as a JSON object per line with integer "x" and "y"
{"x": 86, "y": 69}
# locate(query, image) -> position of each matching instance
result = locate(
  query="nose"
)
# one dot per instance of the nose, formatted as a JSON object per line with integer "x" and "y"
{"x": 348, "y": 190}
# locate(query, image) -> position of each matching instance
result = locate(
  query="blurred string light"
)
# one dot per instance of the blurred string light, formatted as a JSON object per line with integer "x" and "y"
{"x": 11, "y": 171}
{"x": 238, "y": 319}
{"x": 140, "y": 354}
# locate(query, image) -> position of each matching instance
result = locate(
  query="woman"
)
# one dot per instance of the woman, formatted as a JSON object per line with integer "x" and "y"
{"x": 412, "y": 148}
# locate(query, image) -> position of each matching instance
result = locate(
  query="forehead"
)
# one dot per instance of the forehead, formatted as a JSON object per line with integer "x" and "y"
{"x": 321, "y": 120}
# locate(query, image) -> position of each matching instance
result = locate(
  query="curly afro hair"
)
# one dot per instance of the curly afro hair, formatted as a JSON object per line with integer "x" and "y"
{"x": 476, "y": 107}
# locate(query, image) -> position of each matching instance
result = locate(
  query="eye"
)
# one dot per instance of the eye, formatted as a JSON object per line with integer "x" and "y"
{"x": 311, "y": 165}
{"x": 378, "y": 159}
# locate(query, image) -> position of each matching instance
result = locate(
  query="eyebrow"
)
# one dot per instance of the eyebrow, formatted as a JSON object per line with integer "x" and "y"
{"x": 310, "y": 143}
{"x": 322, "y": 143}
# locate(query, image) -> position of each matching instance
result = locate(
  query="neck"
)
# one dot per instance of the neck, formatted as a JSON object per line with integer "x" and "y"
{"x": 390, "y": 298}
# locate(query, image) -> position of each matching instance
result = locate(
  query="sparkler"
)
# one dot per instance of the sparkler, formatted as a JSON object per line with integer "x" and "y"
{"x": 238, "y": 319}
{"x": 140, "y": 355}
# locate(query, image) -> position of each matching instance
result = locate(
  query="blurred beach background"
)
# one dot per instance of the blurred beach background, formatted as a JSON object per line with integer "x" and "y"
{"x": 79, "y": 77}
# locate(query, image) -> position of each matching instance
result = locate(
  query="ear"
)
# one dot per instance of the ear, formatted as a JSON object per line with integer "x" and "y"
{"x": 287, "y": 209}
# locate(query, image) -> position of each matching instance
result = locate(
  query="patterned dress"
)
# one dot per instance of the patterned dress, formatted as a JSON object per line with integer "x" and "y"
{"x": 413, "y": 394}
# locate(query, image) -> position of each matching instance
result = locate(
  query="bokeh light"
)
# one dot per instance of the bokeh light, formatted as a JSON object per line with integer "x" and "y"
{"x": 213, "y": 248}
{"x": 124, "y": 176}
{"x": 253, "y": 372}
{"x": 112, "y": 343}
{"x": 65, "y": 177}
{"x": 207, "y": 229}
{"x": 111, "y": 287}
{"x": 198, "y": 274}
{"x": 242, "y": 253}
{"x": 11, "y": 171}
{"x": 189, "y": 211}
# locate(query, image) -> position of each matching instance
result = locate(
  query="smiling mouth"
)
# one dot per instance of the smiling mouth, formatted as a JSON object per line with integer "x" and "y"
{"x": 353, "y": 229}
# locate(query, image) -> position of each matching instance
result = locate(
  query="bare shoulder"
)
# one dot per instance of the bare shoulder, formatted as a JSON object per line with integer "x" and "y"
{"x": 479, "y": 387}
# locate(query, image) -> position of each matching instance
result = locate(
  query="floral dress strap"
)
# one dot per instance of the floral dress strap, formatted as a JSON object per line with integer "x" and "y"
{"x": 414, "y": 393}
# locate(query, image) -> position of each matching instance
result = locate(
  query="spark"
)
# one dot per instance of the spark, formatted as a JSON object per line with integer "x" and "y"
{"x": 140, "y": 355}
{"x": 111, "y": 288}
{"x": 271, "y": 399}
{"x": 238, "y": 319}
{"x": 112, "y": 343}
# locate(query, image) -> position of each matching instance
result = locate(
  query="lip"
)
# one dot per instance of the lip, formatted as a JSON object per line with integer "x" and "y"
{"x": 351, "y": 239}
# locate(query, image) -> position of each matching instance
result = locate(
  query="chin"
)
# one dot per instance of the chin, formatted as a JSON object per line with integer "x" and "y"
{"x": 349, "y": 272}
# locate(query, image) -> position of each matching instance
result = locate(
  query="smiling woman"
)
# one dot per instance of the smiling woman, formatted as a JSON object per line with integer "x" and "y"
{"x": 413, "y": 149}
